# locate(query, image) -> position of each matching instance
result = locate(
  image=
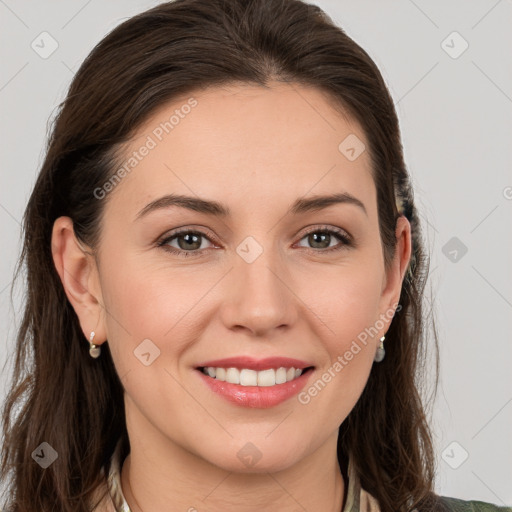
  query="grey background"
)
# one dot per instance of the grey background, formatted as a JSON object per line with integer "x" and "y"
{"x": 456, "y": 117}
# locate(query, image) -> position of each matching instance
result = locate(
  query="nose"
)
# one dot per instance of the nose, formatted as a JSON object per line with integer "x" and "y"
{"x": 259, "y": 297}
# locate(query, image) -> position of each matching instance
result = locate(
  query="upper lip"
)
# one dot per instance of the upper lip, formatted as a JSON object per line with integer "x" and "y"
{"x": 250, "y": 363}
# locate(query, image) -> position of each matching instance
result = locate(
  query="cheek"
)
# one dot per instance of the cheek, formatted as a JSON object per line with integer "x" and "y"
{"x": 346, "y": 302}
{"x": 146, "y": 302}
{"x": 149, "y": 298}
{"x": 335, "y": 390}
{"x": 339, "y": 384}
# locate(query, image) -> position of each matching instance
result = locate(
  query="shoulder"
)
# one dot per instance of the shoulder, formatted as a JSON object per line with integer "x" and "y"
{"x": 456, "y": 505}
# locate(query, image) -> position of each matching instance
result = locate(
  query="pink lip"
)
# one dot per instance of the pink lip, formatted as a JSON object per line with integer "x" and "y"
{"x": 250, "y": 363}
{"x": 262, "y": 397}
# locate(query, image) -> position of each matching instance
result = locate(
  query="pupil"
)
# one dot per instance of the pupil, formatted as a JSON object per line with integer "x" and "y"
{"x": 315, "y": 237}
{"x": 188, "y": 237}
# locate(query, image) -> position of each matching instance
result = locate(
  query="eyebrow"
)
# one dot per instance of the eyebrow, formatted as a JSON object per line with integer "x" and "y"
{"x": 209, "y": 207}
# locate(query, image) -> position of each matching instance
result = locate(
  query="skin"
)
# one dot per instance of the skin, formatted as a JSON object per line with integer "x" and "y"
{"x": 255, "y": 150}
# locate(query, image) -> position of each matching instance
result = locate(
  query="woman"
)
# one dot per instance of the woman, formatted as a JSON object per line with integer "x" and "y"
{"x": 225, "y": 278}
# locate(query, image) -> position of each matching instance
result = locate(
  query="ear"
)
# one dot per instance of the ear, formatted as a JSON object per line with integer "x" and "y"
{"x": 79, "y": 275}
{"x": 393, "y": 279}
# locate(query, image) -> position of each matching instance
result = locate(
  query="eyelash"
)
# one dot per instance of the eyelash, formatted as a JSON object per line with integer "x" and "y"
{"x": 338, "y": 233}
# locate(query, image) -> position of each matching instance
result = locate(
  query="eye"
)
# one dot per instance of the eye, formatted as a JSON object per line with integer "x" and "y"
{"x": 321, "y": 238}
{"x": 189, "y": 242}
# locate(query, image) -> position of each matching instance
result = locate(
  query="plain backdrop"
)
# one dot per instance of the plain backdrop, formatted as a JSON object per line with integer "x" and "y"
{"x": 448, "y": 67}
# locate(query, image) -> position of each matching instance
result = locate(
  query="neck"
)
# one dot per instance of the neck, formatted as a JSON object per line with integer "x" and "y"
{"x": 185, "y": 482}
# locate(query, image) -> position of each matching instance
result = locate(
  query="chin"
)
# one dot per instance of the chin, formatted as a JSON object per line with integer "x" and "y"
{"x": 260, "y": 467}
{"x": 246, "y": 457}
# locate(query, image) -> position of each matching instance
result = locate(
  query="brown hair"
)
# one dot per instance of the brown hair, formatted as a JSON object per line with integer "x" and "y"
{"x": 75, "y": 403}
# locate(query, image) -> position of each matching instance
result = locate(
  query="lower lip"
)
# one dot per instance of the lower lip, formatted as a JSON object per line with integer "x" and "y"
{"x": 260, "y": 397}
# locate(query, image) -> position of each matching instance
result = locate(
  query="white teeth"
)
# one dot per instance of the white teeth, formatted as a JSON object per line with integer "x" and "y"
{"x": 281, "y": 376}
{"x": 246, "y": 377}
{"x": 233, "y": 375}
{"x": 267, "y": 378}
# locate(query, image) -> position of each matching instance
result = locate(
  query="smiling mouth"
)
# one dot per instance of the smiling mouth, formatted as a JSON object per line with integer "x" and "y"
{"x": 248, "y": 377}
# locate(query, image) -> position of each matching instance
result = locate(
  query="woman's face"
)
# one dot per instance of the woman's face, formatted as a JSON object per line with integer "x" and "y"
{"x": 263, "y": 280}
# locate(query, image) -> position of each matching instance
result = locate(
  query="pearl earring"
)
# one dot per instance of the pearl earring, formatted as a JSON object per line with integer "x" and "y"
{"x": 381, "y": 352}
{"x": 94, "y": 351}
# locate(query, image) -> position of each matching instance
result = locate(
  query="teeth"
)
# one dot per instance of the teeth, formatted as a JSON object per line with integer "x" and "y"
{"x": 281, "y": 376}
{"x": 267, "y": 378}
{"x": 246, "y": 377}
{"x": 233, "y": 376}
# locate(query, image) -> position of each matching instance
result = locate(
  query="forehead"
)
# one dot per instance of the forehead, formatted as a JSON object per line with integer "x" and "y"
{"x": 247, "y": 145}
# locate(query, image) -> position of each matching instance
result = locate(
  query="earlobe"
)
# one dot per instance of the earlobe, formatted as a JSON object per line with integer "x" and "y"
{"x": 76, "y": 269}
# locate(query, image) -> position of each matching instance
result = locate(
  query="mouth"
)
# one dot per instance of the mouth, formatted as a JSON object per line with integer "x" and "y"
{"x": 259, "y": 389}
{"x": 270, "y": 377}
